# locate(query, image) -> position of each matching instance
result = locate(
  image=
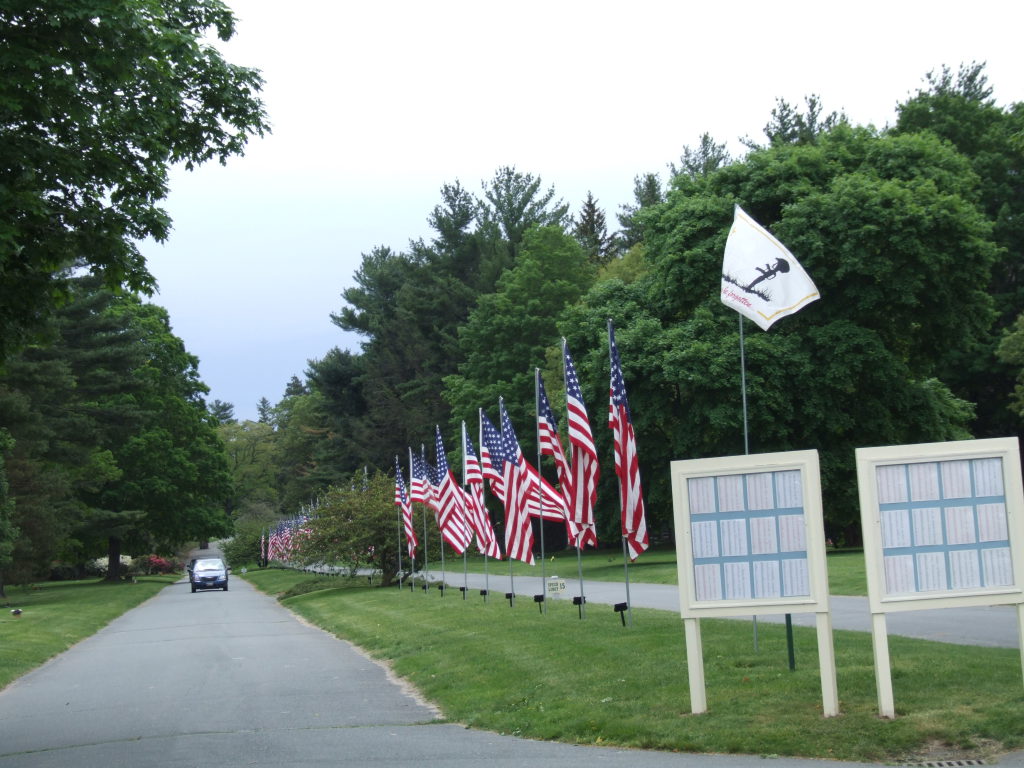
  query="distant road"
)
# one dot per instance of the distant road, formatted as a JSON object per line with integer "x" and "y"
{"x": 995, "y": 626}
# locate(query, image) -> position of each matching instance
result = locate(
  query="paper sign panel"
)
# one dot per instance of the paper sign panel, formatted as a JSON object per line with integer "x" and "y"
{"x": 746, "y": 532}
{"x": 939, "y": 524}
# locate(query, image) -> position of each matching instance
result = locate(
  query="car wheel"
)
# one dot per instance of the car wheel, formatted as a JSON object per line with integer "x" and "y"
{"x": 193, "y": 589}
{"x": 225, "y": 587}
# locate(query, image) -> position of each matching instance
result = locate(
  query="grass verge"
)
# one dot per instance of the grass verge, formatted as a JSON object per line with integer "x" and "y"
{"x": 553, "y": 677}
{"x": 56, "y": 615}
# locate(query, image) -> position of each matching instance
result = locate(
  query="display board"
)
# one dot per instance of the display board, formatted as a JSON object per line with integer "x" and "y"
{"x": 750, "y": 540}
{"x": 943, "y": 528}
{"x": 749, "y": 534}
{"x": 942, "y": 524}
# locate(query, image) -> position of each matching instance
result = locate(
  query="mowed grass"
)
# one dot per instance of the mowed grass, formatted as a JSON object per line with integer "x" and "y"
{"x": 57, "y": 614}
{"x": 515, "y": 671}
{"x": 656, "y": 566}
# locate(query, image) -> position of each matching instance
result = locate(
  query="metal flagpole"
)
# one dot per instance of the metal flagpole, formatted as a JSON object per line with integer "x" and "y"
{"x": 625, "y": 551}
{"x": 480, "y": 460}
{"x": 743, "y": 387}
{"x": 426, "y": 554}
{"x": 540, "y": 492}
{"x": 465, "y": 522}
{"x": 746, "y": 431}
{"x": 572, "y": 455}
{"x": 401, "y": 525}
{"x": 511, "y": 583}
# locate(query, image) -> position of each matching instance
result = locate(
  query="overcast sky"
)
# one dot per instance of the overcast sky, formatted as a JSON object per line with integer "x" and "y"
{"x": 375, "y": 105}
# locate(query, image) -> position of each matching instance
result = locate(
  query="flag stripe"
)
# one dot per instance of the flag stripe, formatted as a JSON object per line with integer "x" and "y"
{"x": 627, "y": 466}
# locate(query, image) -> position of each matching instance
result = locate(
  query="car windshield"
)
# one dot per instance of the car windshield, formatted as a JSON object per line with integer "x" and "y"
{"x": 209, "y": 565}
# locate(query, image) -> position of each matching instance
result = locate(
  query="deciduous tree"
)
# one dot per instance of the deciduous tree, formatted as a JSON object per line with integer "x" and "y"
{"x": 97, "y": 100}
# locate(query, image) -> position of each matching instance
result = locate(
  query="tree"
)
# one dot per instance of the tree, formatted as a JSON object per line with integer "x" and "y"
{"x": 96, "y": 102}
{"x": 791, "y": 126}
{"x": 705, "y": 159}
{"x": 265, "y": 411}
{"x": 647, "y": 192}
{"x": 8, "y": 533}
{"x": 223, "y": 413}
{"x": 250, "y": 449}
{"x": 886, "y": 226}
{"x": 960, "y": 108}
{"x": 513, "y": 203}
{"x": 174, "y": 484}
{"x": 113, "y": 443}
{"x": 295, "y": 387}
{"x": 591, "y": 232}
{"x": 509, "y": 331}
{"x": 356, "y": 524}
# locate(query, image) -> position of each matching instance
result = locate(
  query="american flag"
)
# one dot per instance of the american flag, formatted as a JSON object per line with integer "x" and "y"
{"x": 418, "y": 484}
{"x": 585, "y": 467}
{"x": 451, "y": 511}
{"x": 518, "y": 529}
{"x": 551, "y": 445}
{"x": 402, "y": 502}
{"x": 627, "y": 467}
{"x": 486, "y": 542}
{"x": 491, "y": 464}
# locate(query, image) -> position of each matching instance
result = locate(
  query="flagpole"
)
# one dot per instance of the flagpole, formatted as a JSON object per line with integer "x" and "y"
{"x": 746, "y": 431}
{"x": 426, "y": 555}
{"x": 401, "y": 526}
{"x": 465, "y": 523}
{"x": 483, "y": 486}
{"x": 622, "y": 502}
{"x": 743, "y": 389}
{"x": 511, "y": 575}
{"x": 540, "y": 492}
{"x": 572, "y": 451}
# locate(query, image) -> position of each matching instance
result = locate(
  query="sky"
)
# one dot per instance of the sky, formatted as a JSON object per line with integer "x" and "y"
{"x": 375, "y": 105}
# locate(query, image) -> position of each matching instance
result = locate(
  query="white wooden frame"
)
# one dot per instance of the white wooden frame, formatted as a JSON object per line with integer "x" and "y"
{"x": 927, "y": 520}
{"x": 721, "y": 528}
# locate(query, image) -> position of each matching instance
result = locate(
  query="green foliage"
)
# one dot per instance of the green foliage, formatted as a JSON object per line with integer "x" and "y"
{"x": 97, "y": 101}
{"x": 960, "y": 109}
{"x": 886, "y": 227}
{"x": 591, "y": 231}
{"x": 791, "y": 126}
{"x": 8, "y": 533}
{"x": 647, "y": 192}
{"x": 112, "y": 442}
{"x": 513, "y": 204}
{"x": 508, "y": 332}
{"x": 222, "y": 413}
{"x": 355, "y": 524}
{"x": 705, "y": 159}
{"x": 244, "y": 545}
{"x": 628, "y": 267}
{"x": 1011, "y": 352}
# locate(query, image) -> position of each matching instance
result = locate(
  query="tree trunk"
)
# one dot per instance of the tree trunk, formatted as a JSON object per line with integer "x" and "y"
{"x": 113, "y": 559}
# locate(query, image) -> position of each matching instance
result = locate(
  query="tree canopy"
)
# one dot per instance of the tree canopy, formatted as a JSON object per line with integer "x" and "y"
{"x": 97, "y": 101}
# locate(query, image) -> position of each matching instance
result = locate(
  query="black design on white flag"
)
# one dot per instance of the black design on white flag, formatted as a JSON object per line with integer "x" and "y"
{"x": 761, "y": 279}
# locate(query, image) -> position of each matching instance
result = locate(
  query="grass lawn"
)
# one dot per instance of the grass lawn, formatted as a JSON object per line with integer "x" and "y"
{"x": 57, "y": 614}
{"x": 656, "y": 566}
{"x": 594, "y": 682}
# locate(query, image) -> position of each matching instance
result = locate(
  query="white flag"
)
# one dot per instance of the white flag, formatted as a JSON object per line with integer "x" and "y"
{"x": 761, "y": 279}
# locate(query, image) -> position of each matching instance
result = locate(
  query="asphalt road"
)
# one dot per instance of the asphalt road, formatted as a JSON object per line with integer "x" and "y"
{"x": 234, "y": 679}
{"x": 994, "y": 626}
